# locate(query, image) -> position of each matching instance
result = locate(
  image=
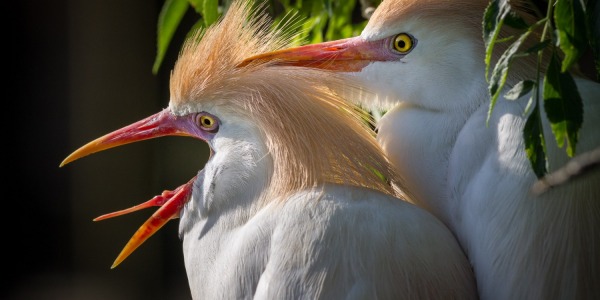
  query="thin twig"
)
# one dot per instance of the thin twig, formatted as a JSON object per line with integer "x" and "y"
{"x": 579, "y": 165}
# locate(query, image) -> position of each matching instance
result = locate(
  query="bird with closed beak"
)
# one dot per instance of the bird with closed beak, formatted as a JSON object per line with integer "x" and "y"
{"x": 425, "y": 60}
{"x": 297, "y": 199}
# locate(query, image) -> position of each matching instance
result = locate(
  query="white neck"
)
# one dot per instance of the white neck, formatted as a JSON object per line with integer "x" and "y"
{"x": 226, "y": 195}
{"x": 419, "y": 141}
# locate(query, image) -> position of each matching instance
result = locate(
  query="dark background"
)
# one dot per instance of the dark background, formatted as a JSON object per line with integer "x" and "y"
{"x": 78, "y": 70}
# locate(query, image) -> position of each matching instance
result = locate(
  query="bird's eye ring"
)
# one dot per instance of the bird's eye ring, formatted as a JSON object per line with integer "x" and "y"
{"x": 207, "y": 123}
{"x": 403, "y": 43}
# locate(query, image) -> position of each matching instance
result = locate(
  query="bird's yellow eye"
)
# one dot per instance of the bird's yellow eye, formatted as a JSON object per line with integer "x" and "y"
{"x": 403, "y": 43}
{"x": 207, "y": 122}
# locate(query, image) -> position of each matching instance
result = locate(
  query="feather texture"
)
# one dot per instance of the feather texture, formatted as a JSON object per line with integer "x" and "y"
{"x": 298, "y": 200}
{"x": 292, "y": 107}
{"x": 475, "y": 177}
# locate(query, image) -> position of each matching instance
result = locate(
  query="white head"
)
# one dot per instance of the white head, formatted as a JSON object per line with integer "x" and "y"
{"x": 424, "y": 53}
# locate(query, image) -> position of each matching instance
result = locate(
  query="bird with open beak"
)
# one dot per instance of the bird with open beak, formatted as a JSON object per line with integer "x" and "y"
{"x": 425, "y": 60}
{"x": 297, "y": 200}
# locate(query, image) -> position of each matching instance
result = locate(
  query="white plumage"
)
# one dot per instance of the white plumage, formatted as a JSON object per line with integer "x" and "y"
{"x": 475, "y": 178}
{"x": 297, "y": 200}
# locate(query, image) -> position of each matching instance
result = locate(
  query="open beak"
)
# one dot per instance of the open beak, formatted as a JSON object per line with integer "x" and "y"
{"x": 161, "y": 124}
{"x": 170, "y": 203}
{"x": 346, "y": 55}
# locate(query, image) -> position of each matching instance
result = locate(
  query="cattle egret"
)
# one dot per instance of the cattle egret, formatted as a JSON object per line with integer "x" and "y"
{"x": 297, "y": 200}
{"x": 425, "y": 59}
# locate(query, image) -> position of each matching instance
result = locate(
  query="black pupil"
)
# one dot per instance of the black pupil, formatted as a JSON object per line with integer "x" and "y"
{"x": 207, "y": 122}
{"x": 401, "y": 44}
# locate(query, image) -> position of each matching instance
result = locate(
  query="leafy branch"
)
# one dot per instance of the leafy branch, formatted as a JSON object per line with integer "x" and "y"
{"x": 322, "y": 19}
{"x": 567, "y": 33}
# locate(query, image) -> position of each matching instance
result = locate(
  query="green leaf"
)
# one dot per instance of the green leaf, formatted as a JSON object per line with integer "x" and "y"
{"x": 569, "y": 17}
{"x": 198, "y": 5}
{"x": 307, "y": 8}
{"x": 491, "y": 29}
{"x": 537, "y": 47}
{"x": 314, "y": 27}
{"x": 500, "y": 72}
{"x": 493, "y": 19}
{"x": 490, "y": 22}
{"x": 210, "y": 12}
{"x": 340, "y": 17}
{"x": 519, "y": 90}
{"x": 563, "y": 105}
{"x": 168, "y": 20}
{"x": 198, "y": 26}
{"x": 535, "y": 147}
{"x": 513, "y": 20}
